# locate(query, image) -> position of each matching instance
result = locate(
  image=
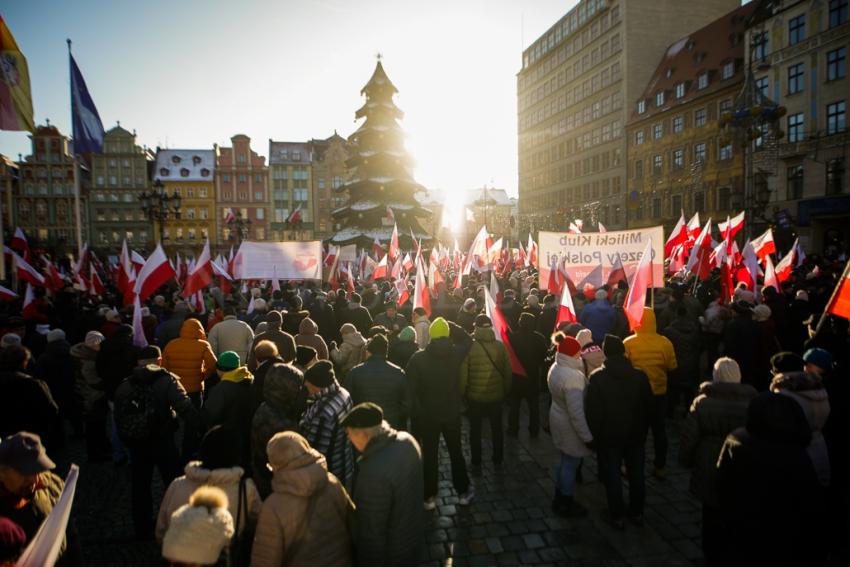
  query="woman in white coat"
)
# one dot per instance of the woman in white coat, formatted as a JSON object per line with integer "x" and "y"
{"x": 569, "y": 429}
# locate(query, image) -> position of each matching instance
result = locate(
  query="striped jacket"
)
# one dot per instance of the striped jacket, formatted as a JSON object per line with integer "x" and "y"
{"x": 320, "y": 426}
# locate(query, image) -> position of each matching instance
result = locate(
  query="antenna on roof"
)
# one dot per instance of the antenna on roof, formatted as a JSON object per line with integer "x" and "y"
{"x": 379, "y": 56}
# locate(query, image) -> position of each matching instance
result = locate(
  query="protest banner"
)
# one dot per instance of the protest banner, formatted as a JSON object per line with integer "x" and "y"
{"x": 579, "y": 254}
{"x": 281, "y": 260}
{"x": 348, "y": 253}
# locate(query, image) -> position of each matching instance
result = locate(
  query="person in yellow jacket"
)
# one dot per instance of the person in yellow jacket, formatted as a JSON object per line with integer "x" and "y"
{"x": 654, "y": 354}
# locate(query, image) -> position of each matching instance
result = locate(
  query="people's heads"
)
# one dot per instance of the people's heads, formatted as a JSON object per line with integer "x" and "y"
{"x": 612, "y": 345}
{"x": 726, "y": 370}
{"x": 305, "y": 356}
{"x": 817, "y": 361}
{"x": 570, "y": 329}
{"x": 566, "y": 345}
{"x": 362, "y": 423}
{"x": 377, "y": 330}
{"x": 22, "y": 459}
{"x": 419, "y": 312}
{"x": 10, "y": 339}
{"x": 220, "y": 448}
{"x": 227, "y": 361}
{"x": 746, "y": 296}
{"x": 469, "y": 304}
{"x": 778, "y": 418}
{"x": 281, "y": 388}
{"x": 229, "y": 311}
{"x": 407, "y": 334}
{"x": 584, "y": 337}
{"x": 17, "y": 325}
{"x": 439, "y": 329}
{"x": 801, "y": 295}
{"x": 55, "y": 335}
{"x": 527, "y": 322}
{"x": 347, "y": 329}
{"x": 15, "y": 357}
{"x": 149, "y": 355}
{"x": 390, "y": 309}
{"x": 289, "y": 449}
{"x": 377, "y": 346}
{"x": 200, "y": 530}
{"x": 113, "y": 316}
{"x": 159, "y": 300}
{"x": 786, "y": 362}
{"x": 265, "y": 350}
{"x": 319, "y": 376}
{"x": 601, "y": 295}
{"x": 13, "y": 541}
{"x": 260, "y": 305}
{"x": 482, "y": 321}
{"x": 769, "y": 292}
{"x": 532, "y": 300}
{"x": 761, "y": 312}
{"x": 549, "y": 300}
{"x": 355, "y": 298}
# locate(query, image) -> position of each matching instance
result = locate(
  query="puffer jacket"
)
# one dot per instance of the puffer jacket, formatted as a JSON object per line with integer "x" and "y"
{"x": 598, "y": 316}
{"x": 181, "y": 488}
{"x": 190, "y": 356}
{"x": 652, "y": 353}
{"x": 307, "y": 336}
{"x": 567, "y": 423}
{"x": 320, "y": 426}
{"x": 808, "y": 391}
{"x": 684, "y": 333}
{"x": 301, "y": 480}
{"x": 350, "y": 353}
{"x": 89, "y": 387}
{"x": 232, "y": 334}
{"x": 718, "y": 409}
{"x": 388, "y": 495}
{"x": 382, "y": 383}
{"x": 434, "y": 376}
{"x": 485, "y": 375}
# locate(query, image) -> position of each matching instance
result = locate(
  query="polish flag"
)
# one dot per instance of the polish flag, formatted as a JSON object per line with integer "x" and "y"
{"x": 799, "y": 253}
{"x": 381, "y": 270}
{"x": 500, "y": 327}
{"x": 839, "y": 304}
{"x": 403, "y": 292}
{"x": 553, "y": 286}
{"x": 494, "y": 252}
{"x": 521, "y": 255}
{"x": 395, "y": 272}
{"x": 295, "y": 216}
{"x": 250, "y": 306}
{"x": 349, "y": 281}
{"x": 566, "y": 310}
{"x": 694, "y": 227}
{"x": 29, "y": 297}
{"x": 97, "y": 287}
{"x": 735, "y": 225}
{"x": 137, "y": 260}
{"x": 331, "y": 255}
{"x": 229, "y": 217}
{"x": 677, "y": 237}
{"x": 641, "y": 282}
{"x": 26, "y": 272}
{"x": 139, "y": 338}
{"x": 677, "y": 259}
{"x": 421, "y": 297}
{"x": 750, "y": 261}
{"x": 786, "y": 264}
{"x": 478, "y": 250}
{"x": 764, "y": 245}
{"x": 54, "y": 279}
{"x": 618, "y": 272}
{"x": 592, "y": 280}
{"x": 434, "y": 278}
{"x": 393, "y": 251}
{"x": 391, "y": 215}
{"x": 531, "y": 253}
{"x": 407, "y": 263}
{"x": 80, "y": 264}
{"x": 699, "y": 261}
{"x": 202, "y": 273}
{"x": 124, "y": 267}
{"x": 575, "y": 227}
{"x": 602, "y": 228}
{"x": 770, "y": 279}
{"x": 130, "y": 290}
{"x": 7, "y": 294}
{"x": 19, "y": 242}
{"x": 377, "y": 249}
{"x": 156, "y": 271}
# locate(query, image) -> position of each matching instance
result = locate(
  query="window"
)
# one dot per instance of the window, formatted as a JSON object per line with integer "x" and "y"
{"x": 638, "y": 169}
{"x": 190, "y": 213}
{"x": 641, "y": 106}
{"x": 794, "y": 178}
{"x": 699, "y": 152}
{"x": 659, "y": 99}
{"x": 680, "y": 90}
{"x": 795, "y": 127}
{"x": 835, "y": 176}
{"x": 261, "y": 213}
{"x": 724, "y": 195}
{"x": 728, "y": 69}
{"x": 836, "y": 64}
{"x": 657, "y": 164}
{"x": 725, "y": 152}
{"x": 321, "y": 182}
{"x": 204, "y": 213}
{"x": 699, "y": 202}
{"x": 835, "y": 117}
{"x": 762, "y": 85}
{"x": 243, "y": 178}
{"x": 638, "y": 137}
{"x": 658, "y": 131}
{"x": 699, "y": 117}
{"x": 258, "y": 195}
{"x": 202, "y": 192}
{"x": 761, "y": 45}
{"x": 702, "y": 80}
{"x": 226, "y": 178}
{"x": 837, "y": 12}
{"x": 796, "y": 29}
{"x": 726, "y": 105}
{"x": 678, "y": 124}
{"x": 795, "y": 78}
{"x": 678, "y": 159}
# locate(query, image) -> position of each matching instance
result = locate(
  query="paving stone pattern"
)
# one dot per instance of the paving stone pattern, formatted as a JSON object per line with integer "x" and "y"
{"x": 510, "y": 521}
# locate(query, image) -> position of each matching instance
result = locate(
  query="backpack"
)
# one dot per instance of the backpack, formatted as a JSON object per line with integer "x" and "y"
{"x": 136, "y": 415}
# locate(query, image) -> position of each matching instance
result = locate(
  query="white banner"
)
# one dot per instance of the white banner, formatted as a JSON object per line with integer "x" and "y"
{"x": 579, "y": 254}
{"x": 43, "y": 549}
{"x": 280, "y": 260}
{"x": 348, "y": 253}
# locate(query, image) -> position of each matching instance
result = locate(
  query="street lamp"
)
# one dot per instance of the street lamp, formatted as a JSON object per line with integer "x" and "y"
{"x": 158, "y": 205}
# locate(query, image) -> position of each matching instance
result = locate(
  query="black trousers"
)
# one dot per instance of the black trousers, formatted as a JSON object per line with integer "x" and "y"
{"x": 714, "y": 536}
{"x": 477, "y": 412}
{"x": 192, "y": 433}
{"x": 98, "y": 447}
{"x": 609, "y": 460}
{"x": 658, "y": 426}
{"x": 524, "y": 389}
{"x": 429, "y": 432}
{"x": 159, "y": 453}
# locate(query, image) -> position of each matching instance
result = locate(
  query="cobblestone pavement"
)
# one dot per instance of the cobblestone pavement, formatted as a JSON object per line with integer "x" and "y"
{"x": 509, "y": 522}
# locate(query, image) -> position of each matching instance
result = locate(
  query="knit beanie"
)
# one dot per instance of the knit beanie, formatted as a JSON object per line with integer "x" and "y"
{"x": 726, "y": 370}
{"x": 94, "y": 338}
{"x": 347, "y": 328}
{"x": 228, "y": 360}
{"x": 13, "y": 540}
{"x": 584, "y": 337}
{"x": 304, "y": 355}
{"x": 567, "y": 345}
{"x": 321, "y": 374}
{"x": 55, "y": 335}
{"x": 439, "y": 329}
{"x": 408, "y": 334}
{"x": 786, "y": 361}
{"x": 483, "y": 321}
{"x": 601, "y": 294}
{"x": 10, "y": 339}
{"x": 199, "y": 530}
{"x": 761, "y": 312}
{"x": 819, "y": 357}
{"x": 219, "y": 448}
{"x": 612, "y": 345}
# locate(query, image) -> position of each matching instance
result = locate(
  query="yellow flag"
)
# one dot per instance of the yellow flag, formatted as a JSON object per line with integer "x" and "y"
{"x": 15, "y": 98}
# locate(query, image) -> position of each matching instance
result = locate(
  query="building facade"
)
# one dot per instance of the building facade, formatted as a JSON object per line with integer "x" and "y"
{"x": 290, "y": 172}
{"x": 9, "y": 174}
{"x": 573, "y": 92}
{"x": 800, "y": 51}
{"x": 241, "y": 186}
{"x": 191, "y": 175}
{"x": 44, "y": 202}
{"x": 491, "y": 207}
{"x": 678, "y": 160}
{"x": 118, "y": 175}
{"x": 329, "y": 172}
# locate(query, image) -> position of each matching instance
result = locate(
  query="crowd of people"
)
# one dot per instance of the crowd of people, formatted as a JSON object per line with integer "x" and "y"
{"x": 303, "y": 425}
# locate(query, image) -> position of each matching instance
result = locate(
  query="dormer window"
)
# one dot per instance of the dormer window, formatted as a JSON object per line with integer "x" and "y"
{"x": 659, "y": 99}
{"x": 184, "y": 172}
{"x": 163, "y": 172}
{"x": 669, "y": 72}
{"x": 680, "y": 90}
{"x": 175, "y": 159}
{"x": 205, "y": 172}
{"x": 196, "y": 160}
{"x": 296, "y": 156}
{"x": 641, "y": 106}
{"x": 702, "y": 80}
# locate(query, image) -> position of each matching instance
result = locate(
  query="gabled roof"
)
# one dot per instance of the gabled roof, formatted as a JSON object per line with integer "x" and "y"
{"x": 285, "y": 153}
{"x": 185, "y": 165}
{"x": 118, "y": 131}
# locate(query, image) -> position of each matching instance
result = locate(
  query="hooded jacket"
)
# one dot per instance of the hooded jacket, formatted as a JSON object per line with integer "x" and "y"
{"x": 434, "y": 376}
{"x": 117, "y": 358}
{"x": 301, "y": 481}
{"x": 485, "y": 375}
{"x": 530, "y": 348}
{"x": 232, "y": 334}
{"x": 89, "y": 386}
{"x": 308, "y": 336}
{"x": 567, "y": 422}
{"x": 320, "y": 426}
{"x": 284, "y": 341}
{"x": 618, "y": 403}
{"x": 351, "y": 352}
{"x": 230, "y": 405}
{"x": 190, "y": 356}
{"x": 652, "y": 353}
{"x": 382, "y": 383}
{"x": 598, "y": 316}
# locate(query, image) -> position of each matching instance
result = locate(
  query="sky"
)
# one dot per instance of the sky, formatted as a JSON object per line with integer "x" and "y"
{"x": 190, "y": 73}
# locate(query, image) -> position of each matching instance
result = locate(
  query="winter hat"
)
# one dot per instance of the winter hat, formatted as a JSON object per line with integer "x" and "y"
{"x": 601, "y": 294}
{"x": 747, "y": 295}
{"x": 304, "y": 355}
{"x": 219, "y": 448}
{"x": 228, "y": 360}
{"x": 13, "y": 540}
{"x": 363, "y": 416}
{"x": 378, "y": 345}
{"x": 802, "y": 295}
{"x": 786, "y": 362}
{"x": 199, "y": 530}
{"x": 572, "y": 329}
{"x": 273, "y": 318}
{"x": 321, "y": 374}
{"x": 819, "y": 357}
{"x": 527, "y": 321}
{"x": 532, "y": 300}
{"x": 10, "y": 339}
{"x": 55, "y": 335}
{"x": 408, "y": 334}
{"x": 584, "y": 337}
{"x": 150, "y": 352}
{"x": 94, "y": 338}
{"x": 761, "y": 312}
{"x": 612, "y": 345}
{"x": 259, "y": 304}
{"x": 469, "y": 303}
{"x": 439, "y": 329}
{"x": 483, "y": 321}
{"x": 347, "y": 328}
{"x": 567, "y": 345}
{"x": 726, "y": 370}
{"x": 262, "y": 327}
{"x": 113, "y": 316}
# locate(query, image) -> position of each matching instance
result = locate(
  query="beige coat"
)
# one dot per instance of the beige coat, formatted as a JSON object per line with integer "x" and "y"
{"x": 181, "y": 489}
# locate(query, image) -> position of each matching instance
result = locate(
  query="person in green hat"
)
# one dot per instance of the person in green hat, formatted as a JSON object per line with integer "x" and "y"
{"x": 403, "y": 347}
{"x": 229, "y": 403}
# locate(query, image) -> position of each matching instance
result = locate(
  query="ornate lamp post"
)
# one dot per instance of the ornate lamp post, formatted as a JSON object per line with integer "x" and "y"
{"x": 158, "y": 205}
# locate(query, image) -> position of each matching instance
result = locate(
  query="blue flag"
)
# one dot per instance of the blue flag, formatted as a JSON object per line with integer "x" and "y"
{"x": 88, "y": 129}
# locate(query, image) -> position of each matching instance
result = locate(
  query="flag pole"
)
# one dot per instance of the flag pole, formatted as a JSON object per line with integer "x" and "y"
{"x": 8, "y": 188}
{"x": 651, "y": 278}
{"x": 78, "y": 229}
{"x": 832, "y": 297}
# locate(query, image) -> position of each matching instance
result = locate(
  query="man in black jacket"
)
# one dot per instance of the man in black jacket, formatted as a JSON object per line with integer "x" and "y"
{"x": 548, "y": 316}
{"x": 618, "y": 405}
{"x": 530, "y": 348}
{"x": 150, "y": 382}
{"x": 356, "y": 314}
{"x": 381, "y": 383}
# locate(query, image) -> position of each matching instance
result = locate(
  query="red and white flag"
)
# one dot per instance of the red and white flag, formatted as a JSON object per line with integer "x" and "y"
{"x": 80, "y": 265}
{"x": 137, "y": 260}
{"x": 839, "y": 304}
{"x": 641, "y": 282}
{"x": 770, "y": 279}
{"x": 229, "y": 217}
{"x": 566, "y": 310}
{"x": 393, "y": 251}
{"x": 407, "y": 263}
{"x": 96, "y": 287}
{"x": 139, "y": 338}
{"x": 403, "y": 292}
{"x": 421, "y": 295}
{"x": 574, "y": 227}
{"x": 694, "y": 227}
{"x": 531, "y": 253}
{"x": 764, "y": 245}
{"x": 29, "y": 297}
{"x": 377, "y": 248}
{"x": 592, "y": 280}
{"x": 602, "y": 228}
{"x": 800, "y": 254}
{"x": 500, "y": 328}
{"x": 26, "y": 272}
{"x": 390, "y": 214}
{"x": 295, "y": 216}
{"x": 7, "y": 294}
{"x": 156, "y": 271}
{"x": 381, "y": 271}
{"x": 735, "y": 224}
{"x": 617, "y": 273}
{"x": 202, "y": 273}
{"x": 786, "y": 264}
{"x": 19, "y": 242}
{"x": 678, "y": 236}
{"x": 699, "y": 262}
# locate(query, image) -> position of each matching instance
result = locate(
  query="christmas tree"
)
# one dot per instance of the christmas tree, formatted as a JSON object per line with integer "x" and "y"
{"x": 381, "y": 189}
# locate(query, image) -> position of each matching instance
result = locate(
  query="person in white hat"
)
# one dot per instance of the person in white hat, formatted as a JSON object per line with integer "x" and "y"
{"x": 200, "y": 530}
